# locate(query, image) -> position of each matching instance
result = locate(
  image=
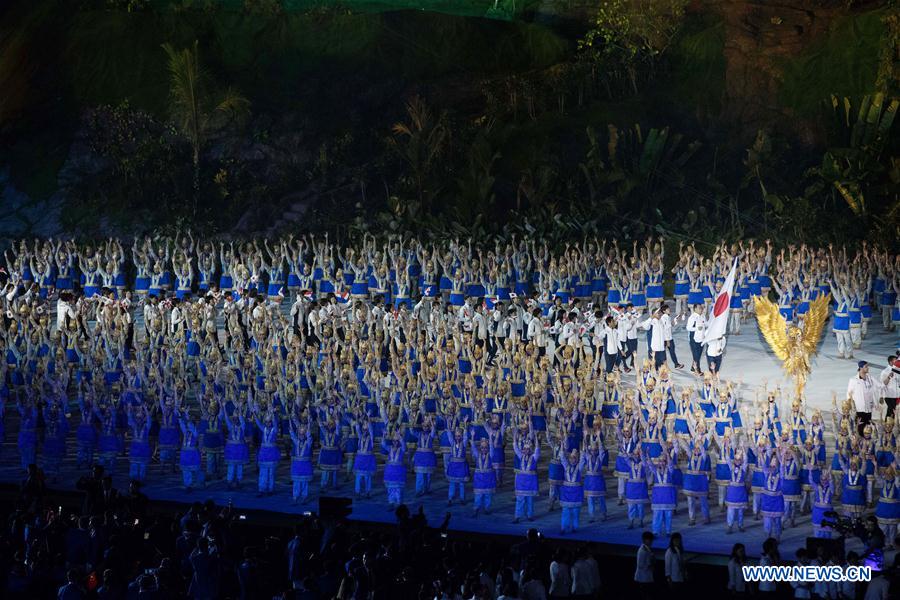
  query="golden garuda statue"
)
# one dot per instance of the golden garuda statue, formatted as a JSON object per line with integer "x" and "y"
{"x": 793, "y": 345}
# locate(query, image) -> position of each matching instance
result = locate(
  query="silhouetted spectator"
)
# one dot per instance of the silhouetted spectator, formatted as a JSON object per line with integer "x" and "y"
{"x": 205, "y": 564}
{"x": 92, "y": 486}
{"x": 73, "y": 590}
{"x": 33, "y": 488}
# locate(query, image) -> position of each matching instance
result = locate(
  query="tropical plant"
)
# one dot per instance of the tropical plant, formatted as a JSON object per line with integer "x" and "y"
{"x": 636, "y": 170}
{"x": 854, "y": 167}
{"x": 475, "y": 186}
{"x": 536, "y": 185}
{"x": 629, "y": 35}
{"x": 196, "y": 108}
{"x": 420, "y": 143}
{"x": 599, "y": 168}
{"x": 131, "y": 167}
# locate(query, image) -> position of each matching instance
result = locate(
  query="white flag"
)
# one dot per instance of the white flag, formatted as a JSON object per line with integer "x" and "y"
{"x": 718, "y": 318}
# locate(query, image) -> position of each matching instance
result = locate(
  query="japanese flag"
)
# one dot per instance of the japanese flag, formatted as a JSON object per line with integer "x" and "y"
{"x": 513, "y": 295}
{"x": 718, "y": 317}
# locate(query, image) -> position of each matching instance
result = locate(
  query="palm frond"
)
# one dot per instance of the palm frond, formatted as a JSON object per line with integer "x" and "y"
{"x": 233, "y": 105}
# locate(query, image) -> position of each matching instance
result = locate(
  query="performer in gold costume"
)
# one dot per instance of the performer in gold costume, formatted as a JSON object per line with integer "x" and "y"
{"x": 793, "y": 345}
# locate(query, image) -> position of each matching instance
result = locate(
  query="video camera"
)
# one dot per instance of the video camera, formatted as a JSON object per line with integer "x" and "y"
{"x": 873, "y": 557}
{"x": 845, "y": 526}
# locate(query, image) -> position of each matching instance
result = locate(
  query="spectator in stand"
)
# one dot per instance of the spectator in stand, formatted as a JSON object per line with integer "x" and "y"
{"x": 109, "y": 496}
{"x": 110, "y": 588}
{"x": 510, "y": 592}
{"x": 736, "y": 583}
{"x": 76, "y": 542}
{"x": 532, "y": 587}
{"x": 33, "y": 488}
{"x": 585, "y": 575}
{"x": 802, "y": 589}
{"x": 675, "y": 568}
{"x": 204, "y": 562}
{"x": 206, "y": 552}
{"x": 92, "y": 486}
{"x": 532, "y": 547}
{"x": 879, "y": 588}
{"x": 643, "y": 573}
{"x": 769, "y": 558}
{"x": 135, "y": 502}
{"x": 560, "y": 575}
{"x": 73, "y": 590}
{"x": 295, "y": 555}
{"x": 249, "y": 575}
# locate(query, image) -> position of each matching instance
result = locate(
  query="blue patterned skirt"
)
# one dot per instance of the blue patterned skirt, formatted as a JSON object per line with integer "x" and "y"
{"x": 169, "y": 438}
{"x": 301, "y": 469}
{"x": 771, "y": 505}
{"x": 888, "y": 511}
{"x": 268, "y": 455}
{"x": 189, "y": 459}
{"x": 636, "y": 492}
{"x": 484, "y": 482}
{"x": 394, "y": 475}
{"x": 594, "y": 485}
{"x": 139, "y": 452}
{"x": 663, "y": 496}
{"x": 237, "y": 453}
{"x": 364, "y": 464}
{"x": 424, "y": 461}
{"x": 330, "y": 459}
{"x": 555, "y": 473}
{"x": 571, "y": 495}
{"x": 736, "y": 495}
{"x": 457, "y": 470}
{"x": 526, "y": 483}
{"x": 696, "y": 484}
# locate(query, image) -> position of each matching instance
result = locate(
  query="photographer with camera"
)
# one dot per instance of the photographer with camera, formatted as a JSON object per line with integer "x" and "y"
{"x": 872, "y": 536}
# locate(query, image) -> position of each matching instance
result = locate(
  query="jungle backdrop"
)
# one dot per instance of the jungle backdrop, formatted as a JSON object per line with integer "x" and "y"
{"x": 563, "y": 118}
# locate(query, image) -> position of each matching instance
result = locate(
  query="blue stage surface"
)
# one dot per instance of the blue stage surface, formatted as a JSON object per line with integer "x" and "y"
{"x": 701, "y": 539}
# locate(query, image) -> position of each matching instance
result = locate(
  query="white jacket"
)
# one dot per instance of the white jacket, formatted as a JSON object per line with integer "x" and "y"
{"x": 696, "y": 325}
{"x": 612, "y": 339}
{"x": 657, "y": 341}
{"x": 864, "y": 391}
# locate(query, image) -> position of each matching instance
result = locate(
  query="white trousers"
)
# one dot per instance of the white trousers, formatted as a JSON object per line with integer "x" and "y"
{"x": 844, "y": 343}
{"x": 856, "y": 335}
{"x": 735, "y": 321}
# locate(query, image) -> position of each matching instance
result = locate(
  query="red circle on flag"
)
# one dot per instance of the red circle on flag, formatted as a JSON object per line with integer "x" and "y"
{"x": 721, "y": 304}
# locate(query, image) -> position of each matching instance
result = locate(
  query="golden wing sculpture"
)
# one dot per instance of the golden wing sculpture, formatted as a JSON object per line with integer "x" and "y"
{"x": 772, "y": 325}
{"x": 792, "y": 345}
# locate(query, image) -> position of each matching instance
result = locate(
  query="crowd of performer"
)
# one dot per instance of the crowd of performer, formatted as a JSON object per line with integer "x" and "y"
{"x": 506, "y": 367}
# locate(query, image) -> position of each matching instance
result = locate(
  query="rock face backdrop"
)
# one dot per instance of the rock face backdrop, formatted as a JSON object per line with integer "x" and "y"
{"x": 762, "y": 40}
